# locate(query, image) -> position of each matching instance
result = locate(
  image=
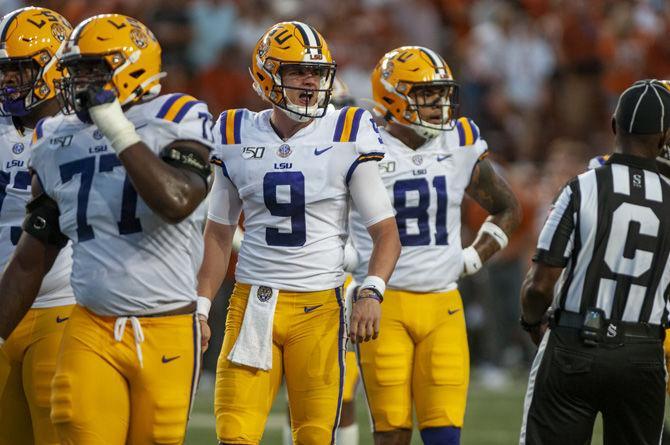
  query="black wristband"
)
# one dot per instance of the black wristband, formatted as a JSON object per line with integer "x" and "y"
{"x": 529, "y": 327}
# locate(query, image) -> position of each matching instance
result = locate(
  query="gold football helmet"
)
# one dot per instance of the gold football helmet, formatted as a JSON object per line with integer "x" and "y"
{"x": 114, "y": 52}
{"x": 412, "y": 77}
{"x": 291, "y": 44}
{"x": 30, "y": 39}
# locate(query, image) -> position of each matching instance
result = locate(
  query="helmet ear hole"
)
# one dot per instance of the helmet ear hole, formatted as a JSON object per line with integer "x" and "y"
{"x": 136, "y": 74}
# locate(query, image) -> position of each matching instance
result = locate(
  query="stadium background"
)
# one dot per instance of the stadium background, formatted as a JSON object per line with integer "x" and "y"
{"x": 540, "y": 78}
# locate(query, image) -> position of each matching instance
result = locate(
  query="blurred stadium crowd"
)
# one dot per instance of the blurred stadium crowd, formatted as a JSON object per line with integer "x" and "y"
{"x": 540, "y": 78}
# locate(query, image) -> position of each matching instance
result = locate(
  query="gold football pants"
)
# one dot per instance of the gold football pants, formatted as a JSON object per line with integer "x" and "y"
{"x": 350, "y": 378}
{"x": 103, "y": 395}
{"x": 308, "y": 350}
{"x": 421, "y": 357}
{"x": 27, "y": 365}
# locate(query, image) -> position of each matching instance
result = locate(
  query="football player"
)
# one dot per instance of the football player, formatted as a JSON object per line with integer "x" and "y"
{"x": 29, "y": 41}
{"x": 421, "y": 357}
{"x": 292, "y": 169}
{"x": 122, "y": 175}
{"x": 347, "y": 431}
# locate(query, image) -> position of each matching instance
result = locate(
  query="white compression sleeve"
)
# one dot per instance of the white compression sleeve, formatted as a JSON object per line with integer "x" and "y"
{"x": 369, "y": 194}
{"x": 225, "y": 204}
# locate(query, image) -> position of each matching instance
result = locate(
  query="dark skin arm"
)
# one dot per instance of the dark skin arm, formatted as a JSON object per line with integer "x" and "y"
{"x": 172, "y": 193}
{"x": 23, "y": 276}
{"x": 537, "y": 293}
{"x": 494, "y": 194}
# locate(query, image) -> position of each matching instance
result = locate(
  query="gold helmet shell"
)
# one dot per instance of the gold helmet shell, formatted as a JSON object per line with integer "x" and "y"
{"x": 30, "y": 41}
{"x": 129, "y": 50}
{"x": 292, "y": 43}
{"x": 400, "y": 75}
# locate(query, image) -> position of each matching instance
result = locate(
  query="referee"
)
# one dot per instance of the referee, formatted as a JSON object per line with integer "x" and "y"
{"x": 602, "y": 264}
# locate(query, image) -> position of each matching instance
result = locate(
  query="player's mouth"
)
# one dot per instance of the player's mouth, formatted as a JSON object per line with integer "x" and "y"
{"x": 435, "y": 119}
{"x": 306, "y": 98}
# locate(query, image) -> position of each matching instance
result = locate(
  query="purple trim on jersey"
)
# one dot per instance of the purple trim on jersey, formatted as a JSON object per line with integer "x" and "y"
{"x": 38, "y": 128}
{"x": 475, "y": 130}
{"x": 223, "y": 118}
{"x": 340, "y": 124}
{"x": 237, "y": 125}
{"x": 168, "y": 103}
{"x": 340, "y": 353}
{"x": 220, "y": 163}
{"x": 184, "y": 109}
{"x": 373, "y": 156}
{"x": 355, "y": 123}
{"x": 461, "y": 133}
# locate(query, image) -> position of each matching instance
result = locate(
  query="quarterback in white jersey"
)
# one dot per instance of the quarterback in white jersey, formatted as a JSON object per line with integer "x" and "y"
{"x": 432, "y": 159}
{"x": 28, "y": 358}
{"x": 293, "y": 171}
{"x": 125, "y": 186}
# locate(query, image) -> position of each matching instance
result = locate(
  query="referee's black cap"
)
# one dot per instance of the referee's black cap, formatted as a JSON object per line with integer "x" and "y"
{"x": 644, "y": 108}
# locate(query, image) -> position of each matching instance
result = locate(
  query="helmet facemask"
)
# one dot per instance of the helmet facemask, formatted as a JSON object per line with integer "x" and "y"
{"x": 20, "y": 80}
{"x": 431, "y": 106}
{"x": 85, "y": 73}
{"x": 311, "y": 102}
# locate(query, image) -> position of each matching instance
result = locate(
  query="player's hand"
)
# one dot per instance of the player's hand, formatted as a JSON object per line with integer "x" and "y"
{"x": 205, "y": 333}
{"x": 93, "y": 96}
{"x": 537, "y": 333}
{"x": 106, "y": 113}
{"x": 365, "y": 317}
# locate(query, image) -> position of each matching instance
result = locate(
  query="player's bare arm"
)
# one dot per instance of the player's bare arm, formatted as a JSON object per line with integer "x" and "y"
{"x": 493, "y": 193}
{"x": 23, "y": 276}
{"x": 537, "y": 292}
{"x": 366, "y": 313}
{"x": 172, "y": 190}
{"x": 172, "y": 184}
{"x": 218, "y": 241}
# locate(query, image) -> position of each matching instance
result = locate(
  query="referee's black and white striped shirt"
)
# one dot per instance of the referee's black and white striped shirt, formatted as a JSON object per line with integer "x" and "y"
{"x": 610, "y": 229}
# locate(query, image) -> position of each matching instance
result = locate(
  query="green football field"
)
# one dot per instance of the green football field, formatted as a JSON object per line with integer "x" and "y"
{"x": 493, "y": 417}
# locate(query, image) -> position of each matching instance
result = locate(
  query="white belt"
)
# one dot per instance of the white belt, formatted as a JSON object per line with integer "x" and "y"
{"x": 119, "y": 329}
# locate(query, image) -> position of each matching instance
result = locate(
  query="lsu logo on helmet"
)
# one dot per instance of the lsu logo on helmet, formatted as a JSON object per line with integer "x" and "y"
{"x": 30, "y": 39}
{"x": 116, "y": 52}
{"x": 292, "y": 44}
{"x": 411, "y": 77}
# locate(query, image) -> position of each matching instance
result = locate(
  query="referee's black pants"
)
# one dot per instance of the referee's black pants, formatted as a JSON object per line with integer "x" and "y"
{"x": 570, "y": 383}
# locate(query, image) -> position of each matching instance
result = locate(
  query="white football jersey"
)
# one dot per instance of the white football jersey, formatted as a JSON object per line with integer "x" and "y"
{"x": 14, "y": 195}
{"x": 426, "y": 187}
{"x": 126, "y": 260}
{"x": 294, "y": 194}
